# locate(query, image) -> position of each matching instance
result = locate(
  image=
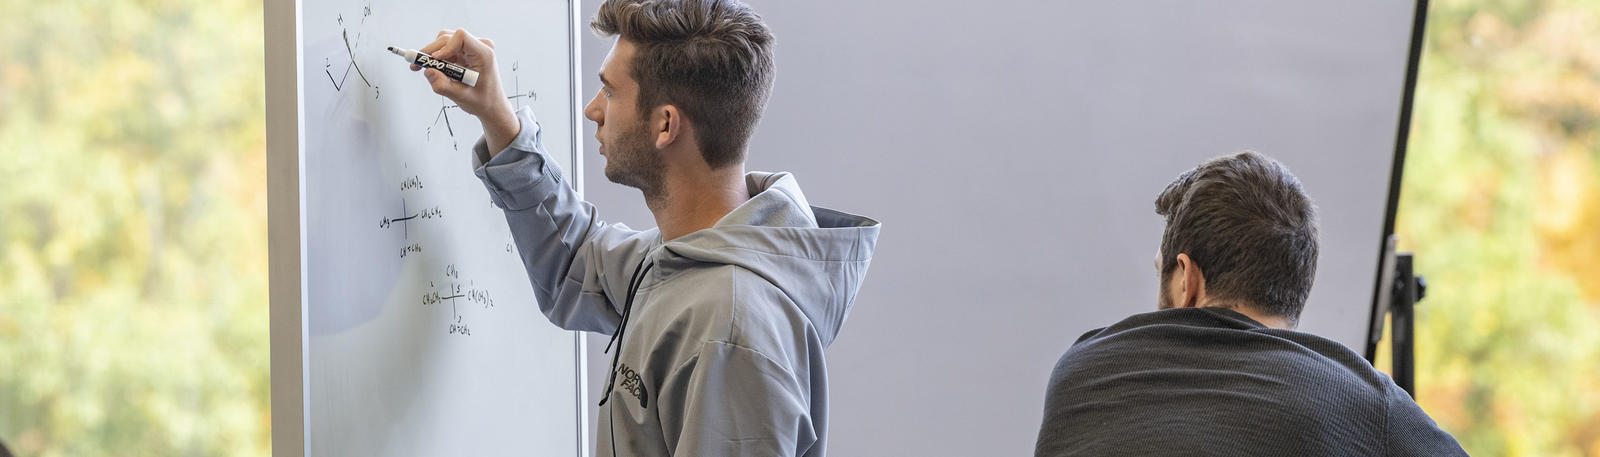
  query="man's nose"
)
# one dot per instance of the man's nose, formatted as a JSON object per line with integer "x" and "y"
{"x": 593, "y": 111}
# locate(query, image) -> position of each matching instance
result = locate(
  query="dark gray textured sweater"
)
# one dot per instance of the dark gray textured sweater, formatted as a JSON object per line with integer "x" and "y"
{"x": 1210, "y": 381}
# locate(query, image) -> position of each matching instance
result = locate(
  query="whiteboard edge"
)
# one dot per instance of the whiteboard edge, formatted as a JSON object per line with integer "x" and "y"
{"x": 1419, "y": 27}
{"x": 285, "y": 225}
{"x": 580, "y": 351}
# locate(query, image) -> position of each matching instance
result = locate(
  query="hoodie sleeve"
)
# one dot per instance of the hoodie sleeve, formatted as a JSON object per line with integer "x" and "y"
{"x": 730, "y": 400}
{"x": 579, "y": 266}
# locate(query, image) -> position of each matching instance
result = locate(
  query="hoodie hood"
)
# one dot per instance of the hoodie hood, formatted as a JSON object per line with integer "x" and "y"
{"x": 816, "y": 256}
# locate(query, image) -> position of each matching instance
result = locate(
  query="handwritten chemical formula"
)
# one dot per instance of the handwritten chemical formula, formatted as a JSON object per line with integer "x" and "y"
{"x": 458, "y": 294}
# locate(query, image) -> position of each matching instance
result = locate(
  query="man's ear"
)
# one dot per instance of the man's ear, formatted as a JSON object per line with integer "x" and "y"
{"x": 1191, "y": 287}
{"x": 668, "y": 125}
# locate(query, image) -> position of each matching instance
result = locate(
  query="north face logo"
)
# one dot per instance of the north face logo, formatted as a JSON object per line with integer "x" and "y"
{"x": 630, "y": 381}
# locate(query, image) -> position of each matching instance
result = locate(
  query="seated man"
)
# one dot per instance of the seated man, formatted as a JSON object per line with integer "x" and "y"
{"x": 1218, "y": 369}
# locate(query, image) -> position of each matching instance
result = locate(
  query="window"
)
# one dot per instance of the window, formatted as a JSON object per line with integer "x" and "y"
{"x": 133, "y": 303}
{"x": 1501, "y": 204}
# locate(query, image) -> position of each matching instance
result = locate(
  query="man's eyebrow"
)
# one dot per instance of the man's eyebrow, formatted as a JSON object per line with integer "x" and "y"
{"x": 603, "y": 80}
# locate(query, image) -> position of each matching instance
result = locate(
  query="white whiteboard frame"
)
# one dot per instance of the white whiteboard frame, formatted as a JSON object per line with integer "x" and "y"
{"x": 286, "y": 226}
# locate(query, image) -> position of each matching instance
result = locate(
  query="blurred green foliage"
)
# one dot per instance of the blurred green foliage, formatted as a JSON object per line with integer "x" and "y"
{"x": 133, "y": 301}
{"x": 1501, "y": 203}
{"x": 133, "y": 227}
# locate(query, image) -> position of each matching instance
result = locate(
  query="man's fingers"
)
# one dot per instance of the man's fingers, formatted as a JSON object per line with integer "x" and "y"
{"x": 452, "y": 46}
{"x": 431, "y": 48}
{"x": 435, "y": 45}
{"x": 442, "y": 85}
{"x": 471, "y": 45}
{"x": 462, "y": 47}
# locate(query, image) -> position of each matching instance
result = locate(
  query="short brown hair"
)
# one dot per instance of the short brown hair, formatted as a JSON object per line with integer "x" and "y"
{"x": 1249, "y": 226}
{"x": 710, "y": 58}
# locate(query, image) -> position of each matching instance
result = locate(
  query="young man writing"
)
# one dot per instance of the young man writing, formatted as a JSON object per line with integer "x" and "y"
{"x": 719, "y": 315}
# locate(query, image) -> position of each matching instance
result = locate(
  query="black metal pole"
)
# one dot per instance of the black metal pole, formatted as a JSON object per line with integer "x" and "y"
{"x": 1402, "y": 323}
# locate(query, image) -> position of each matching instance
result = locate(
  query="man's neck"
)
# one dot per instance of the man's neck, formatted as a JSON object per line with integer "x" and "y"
{"x": 697, "y": 199}
{"x": 1268, "y": 320}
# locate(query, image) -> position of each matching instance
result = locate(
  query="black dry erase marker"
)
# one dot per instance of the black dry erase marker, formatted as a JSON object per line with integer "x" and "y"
{"x": 450, "y": 70}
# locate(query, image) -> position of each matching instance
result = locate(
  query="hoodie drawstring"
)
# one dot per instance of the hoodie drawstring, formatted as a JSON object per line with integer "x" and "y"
{"x": 627, "y": 310}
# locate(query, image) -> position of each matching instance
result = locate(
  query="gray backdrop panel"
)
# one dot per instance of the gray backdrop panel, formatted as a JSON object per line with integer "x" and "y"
{"x": 1012, "y": 150}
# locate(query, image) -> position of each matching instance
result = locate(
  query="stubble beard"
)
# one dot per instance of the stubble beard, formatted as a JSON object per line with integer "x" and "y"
{"x": 632, "y": 162}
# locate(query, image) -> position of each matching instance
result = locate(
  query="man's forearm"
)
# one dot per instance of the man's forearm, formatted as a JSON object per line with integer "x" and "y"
{"x": 499, "y": 128}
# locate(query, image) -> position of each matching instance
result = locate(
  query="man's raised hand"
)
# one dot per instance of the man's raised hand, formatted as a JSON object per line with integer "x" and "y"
{"x": 486, "y": 100}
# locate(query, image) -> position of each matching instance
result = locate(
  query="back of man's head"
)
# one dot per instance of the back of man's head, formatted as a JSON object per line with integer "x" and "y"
{"x": 1246, "y": 223}
{"x": 710, "y": 58}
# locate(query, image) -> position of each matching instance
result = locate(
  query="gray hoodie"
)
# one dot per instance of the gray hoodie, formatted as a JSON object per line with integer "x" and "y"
{"x": 722, "y": 330}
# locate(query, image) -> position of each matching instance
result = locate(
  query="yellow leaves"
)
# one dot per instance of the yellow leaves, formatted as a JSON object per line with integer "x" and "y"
{"x": 1553, "y": 82}
{"x": 1501, "y": 202}
{"x": 1478, "y": 208}
{"x": 1559, "y": 35}
{"x": 1444, "y": 395}
{"x": 1486, "y": 29}
{"x": 1569, "y": 217}
{"x": 1568, "y": 185}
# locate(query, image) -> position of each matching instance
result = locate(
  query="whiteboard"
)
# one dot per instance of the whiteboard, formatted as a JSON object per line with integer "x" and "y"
{"x": 419, "y": 330}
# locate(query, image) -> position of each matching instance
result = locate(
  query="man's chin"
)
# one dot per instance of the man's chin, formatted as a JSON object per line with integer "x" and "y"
{"x": 618, "y": 177}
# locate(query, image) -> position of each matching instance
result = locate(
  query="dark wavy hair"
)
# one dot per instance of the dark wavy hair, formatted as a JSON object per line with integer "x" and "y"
{"x": 710, "y": 58}
{"x": 1249, "y": 226}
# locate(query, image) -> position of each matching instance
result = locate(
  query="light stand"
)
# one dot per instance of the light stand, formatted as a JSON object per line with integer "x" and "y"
{"x": 1399, "y": 302}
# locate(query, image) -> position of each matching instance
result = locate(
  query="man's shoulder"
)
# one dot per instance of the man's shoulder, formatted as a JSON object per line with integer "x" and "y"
{"x": 1236, "y": 376}
{"x": 718, "y": 286}
{"x": 1197, "y": 339}
{"x": 732, "y": 298}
